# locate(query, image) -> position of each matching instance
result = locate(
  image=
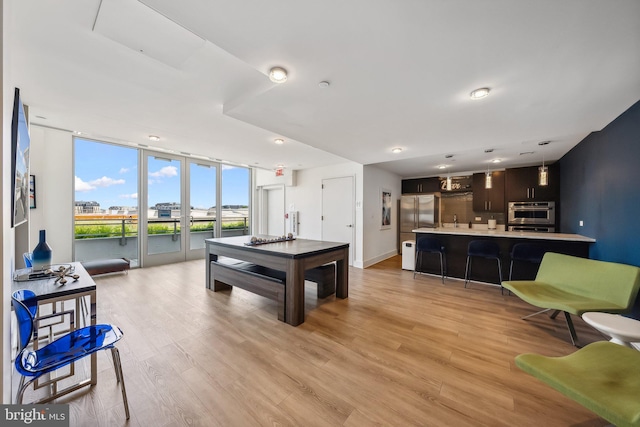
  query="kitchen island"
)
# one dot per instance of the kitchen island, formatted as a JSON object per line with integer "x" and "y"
{"x": 456, "y": 240}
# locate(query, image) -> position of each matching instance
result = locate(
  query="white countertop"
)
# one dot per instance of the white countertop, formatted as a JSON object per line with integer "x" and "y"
{"x": 465, "y": 231}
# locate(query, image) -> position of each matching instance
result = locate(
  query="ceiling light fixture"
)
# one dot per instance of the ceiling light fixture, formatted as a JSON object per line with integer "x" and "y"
{"x": 442, "y": 167}
{"x": 154, "y": 138}
{"x": 278, "y": 75}
{"x": 279, "y": 141}
{"x": 449, "y": 183}
{"x": 480, "y": 93}
{"x": 496, "y": 161}
{"x": 396, "y": 150}
{"x": 324, "y": 84}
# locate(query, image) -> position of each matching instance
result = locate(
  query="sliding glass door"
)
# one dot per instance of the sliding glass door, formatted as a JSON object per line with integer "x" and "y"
{"x": 164, "y": 218}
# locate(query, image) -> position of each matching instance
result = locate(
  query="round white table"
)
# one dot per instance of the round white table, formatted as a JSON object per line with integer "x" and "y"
{"x": 622, "y": 330}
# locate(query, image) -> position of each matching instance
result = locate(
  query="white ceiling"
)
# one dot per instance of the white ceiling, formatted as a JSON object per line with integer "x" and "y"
{"x": 194, "y": 72}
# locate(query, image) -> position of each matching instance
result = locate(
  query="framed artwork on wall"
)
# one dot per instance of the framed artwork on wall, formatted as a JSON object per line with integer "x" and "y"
{"x": 385, "y": 200}
{"x": 32, "y": 191}
{"x": 19, "y": 163}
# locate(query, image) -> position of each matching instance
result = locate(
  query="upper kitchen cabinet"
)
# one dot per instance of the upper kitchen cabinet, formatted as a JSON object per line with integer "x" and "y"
{"x": 522, "y": 184}
{"x": 488, "y": 199}
{"x": 420, "y": 185}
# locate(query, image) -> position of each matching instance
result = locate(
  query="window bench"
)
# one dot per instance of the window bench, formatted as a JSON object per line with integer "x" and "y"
{"x": 104, "y": 266}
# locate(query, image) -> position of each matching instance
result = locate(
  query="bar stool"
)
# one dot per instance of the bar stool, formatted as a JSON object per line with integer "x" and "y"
{"x": 483, "y": 249}
{"x": 430, "y": 245}
{"x": 526, "y": 252}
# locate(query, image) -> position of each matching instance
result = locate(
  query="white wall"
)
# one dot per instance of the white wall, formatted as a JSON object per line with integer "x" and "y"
{"x": 379, "y": 244}
{"x": 306, "y": 197}
{"x": 371, "y": 244}
{"x": 52, "y": 165}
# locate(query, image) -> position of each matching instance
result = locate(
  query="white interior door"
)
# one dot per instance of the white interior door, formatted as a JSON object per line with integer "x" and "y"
{"x": 338, "y": 212}
{"x": 275, "y": 211}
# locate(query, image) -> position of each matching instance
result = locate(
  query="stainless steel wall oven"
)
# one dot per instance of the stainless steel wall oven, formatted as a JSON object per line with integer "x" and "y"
{"x": 532, "y": 213}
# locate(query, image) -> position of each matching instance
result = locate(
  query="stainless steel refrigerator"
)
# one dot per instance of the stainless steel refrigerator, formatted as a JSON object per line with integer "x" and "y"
{"x": 418, "y": 211}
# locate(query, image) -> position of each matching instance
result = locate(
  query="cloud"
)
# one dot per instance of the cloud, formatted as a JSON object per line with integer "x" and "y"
{"x": 82, "y": 186}
{"x": 129, "y": 196}
{"x": 106, "y": 182}
{"x": 165, "y": 172}
{"x": 123, "y": 170}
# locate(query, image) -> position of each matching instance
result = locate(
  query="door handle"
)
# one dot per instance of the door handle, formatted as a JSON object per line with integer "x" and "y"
{"x": 349, "y": 225}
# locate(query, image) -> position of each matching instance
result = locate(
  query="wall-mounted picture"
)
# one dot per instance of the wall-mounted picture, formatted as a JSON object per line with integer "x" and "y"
{"x": 19, "y": 163}
{"x": 386, "y": 209}
{"x": 32, "y": 191}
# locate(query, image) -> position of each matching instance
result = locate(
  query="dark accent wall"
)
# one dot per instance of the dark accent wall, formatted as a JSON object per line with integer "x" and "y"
{"x": 600, "y": 185}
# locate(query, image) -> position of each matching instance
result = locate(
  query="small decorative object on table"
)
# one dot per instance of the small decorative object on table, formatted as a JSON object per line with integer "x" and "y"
{"x": 41, "y": 255}
{"x": 255, "y": 241}
{"x": 62, "y": 272}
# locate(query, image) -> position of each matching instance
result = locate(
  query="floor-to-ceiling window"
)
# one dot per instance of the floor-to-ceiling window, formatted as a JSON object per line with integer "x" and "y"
{"x": 235, "y": 214}
{"x": 177, "y": 193}
{"x": 106, "y": 201}
{"x": 203, "y": 203}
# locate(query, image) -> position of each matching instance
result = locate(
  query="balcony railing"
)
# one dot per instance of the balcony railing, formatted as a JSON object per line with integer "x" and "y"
{"x": 99, "y": 238}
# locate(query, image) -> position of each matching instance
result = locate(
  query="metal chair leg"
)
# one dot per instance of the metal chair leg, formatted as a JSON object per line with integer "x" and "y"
{"x": 118, "y": 364}
{"x": 467, "y": 271}
{"x": 441, "y": 267}
{"x": 500, "y": 275}
{"x": 415, "y": 266}
{"x": 536, "y": 313}
{"x": 572, "y": 330}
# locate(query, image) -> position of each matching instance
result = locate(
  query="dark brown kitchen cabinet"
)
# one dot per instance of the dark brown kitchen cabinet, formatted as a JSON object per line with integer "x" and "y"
{"x": 488, "y": 199}
{"x": 420, "y": 185}
{"x": 522, "y": 185}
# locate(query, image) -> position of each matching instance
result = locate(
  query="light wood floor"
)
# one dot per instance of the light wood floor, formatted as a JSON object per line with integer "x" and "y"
{"x": 397, "y": 352}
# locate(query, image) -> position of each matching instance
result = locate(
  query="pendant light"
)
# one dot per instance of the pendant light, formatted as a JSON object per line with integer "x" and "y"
{"x": 543, "y": 171}
{"x": 488, "y": 181}
{"x": 448, "y": 183}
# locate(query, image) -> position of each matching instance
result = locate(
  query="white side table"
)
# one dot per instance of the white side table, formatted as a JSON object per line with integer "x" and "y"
{"x": 622, "y": 330}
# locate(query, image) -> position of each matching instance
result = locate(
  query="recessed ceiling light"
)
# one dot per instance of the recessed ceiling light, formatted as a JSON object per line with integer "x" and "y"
{"x": 323, "y": 84}
{"x": 496, "y": 161}
{"x": 280, "y": 166}
{"x": 396, "y": 150}
{"x": 442, "y": 167}
{"x": 480, "y": 93}
{"x": 278, "y": 75}
{"x": 78, "y": 132}
{"x": 154, "y": 138}
{"x": 279, "y": 141}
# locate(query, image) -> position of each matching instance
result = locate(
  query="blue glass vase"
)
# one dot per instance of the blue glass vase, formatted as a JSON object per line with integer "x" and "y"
{"x": 41, "y": 255}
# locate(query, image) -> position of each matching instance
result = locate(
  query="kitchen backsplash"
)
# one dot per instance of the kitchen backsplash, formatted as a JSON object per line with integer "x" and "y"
{"x": 461, "y": 204}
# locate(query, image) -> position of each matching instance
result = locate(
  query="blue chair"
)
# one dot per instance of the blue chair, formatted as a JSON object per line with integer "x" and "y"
{"x": 61, "y": 352}
{"x": 430, "y": 245}
{"x": 487, "y": 249}
{"x": 27, "y": 256}
{"x": 526, "y": 252}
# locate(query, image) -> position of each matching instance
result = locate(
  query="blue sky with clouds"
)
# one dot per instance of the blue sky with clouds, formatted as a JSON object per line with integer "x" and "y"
{"x": 108, "y": 174}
